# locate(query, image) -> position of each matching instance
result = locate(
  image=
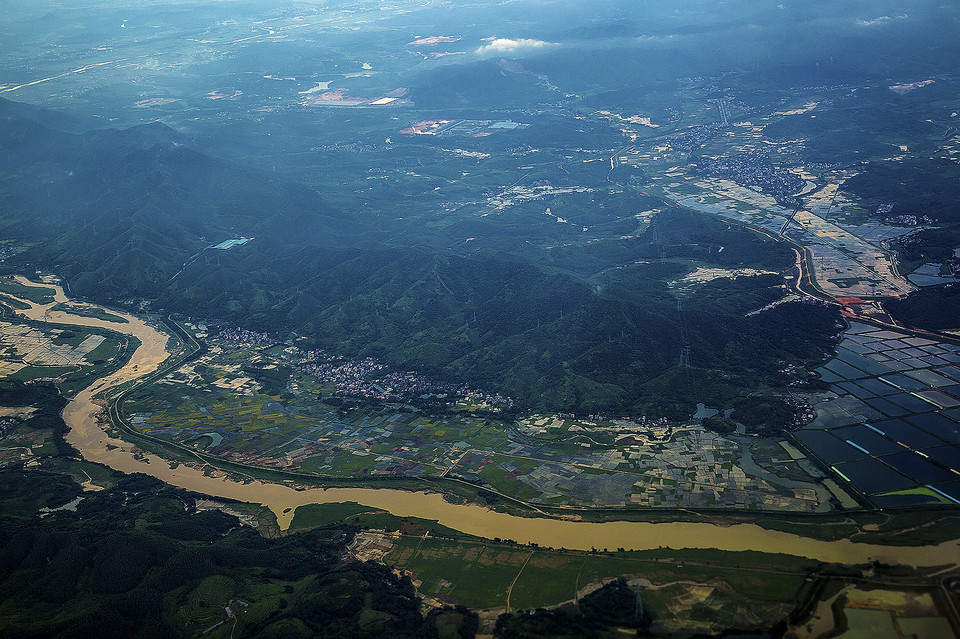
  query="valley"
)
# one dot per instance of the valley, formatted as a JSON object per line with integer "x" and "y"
{"x": 513, "y": 319}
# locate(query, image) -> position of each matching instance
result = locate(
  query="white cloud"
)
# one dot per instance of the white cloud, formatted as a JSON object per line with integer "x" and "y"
{"x": 881, "y": 20}
{"x": 657, "y": 39}
{"x": 506, "y": 45}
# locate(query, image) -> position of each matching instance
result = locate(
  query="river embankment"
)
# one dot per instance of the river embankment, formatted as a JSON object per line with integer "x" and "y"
{"x": 95, "y": 444}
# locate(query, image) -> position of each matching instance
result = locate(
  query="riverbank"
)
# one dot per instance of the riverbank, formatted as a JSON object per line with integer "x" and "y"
{"x": 95, "y": 444}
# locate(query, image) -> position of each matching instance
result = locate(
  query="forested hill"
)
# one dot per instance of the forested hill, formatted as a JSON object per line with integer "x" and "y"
{"x": 132, "y": 215}
{"x": 120, "y": 212}
{"x": 139, "y": 560}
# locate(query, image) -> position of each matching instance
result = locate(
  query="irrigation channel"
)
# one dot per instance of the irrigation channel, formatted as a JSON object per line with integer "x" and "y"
{"x": 87, "y": 436}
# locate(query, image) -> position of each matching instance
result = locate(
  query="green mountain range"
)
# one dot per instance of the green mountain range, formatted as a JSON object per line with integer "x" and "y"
{"x": 133, "y": 215}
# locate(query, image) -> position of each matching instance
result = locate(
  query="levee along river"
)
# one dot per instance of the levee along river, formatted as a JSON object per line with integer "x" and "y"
{"x": 96, "y": 445}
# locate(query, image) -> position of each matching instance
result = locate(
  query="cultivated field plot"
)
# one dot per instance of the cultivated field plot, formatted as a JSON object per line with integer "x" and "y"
{"x": 753, "y": 590}
{"x": 36, "y": 294}
{"x": 749, "y": 186}
{"x": 21, "y": 444}
{"x": 27, "y": 352}
{"x": 884, "y": 613}
{"x": 731, "y": 200}
{"x": 890, "y": 426}
{"x": 221, "y": 404}
{"x": 845, "y": 264}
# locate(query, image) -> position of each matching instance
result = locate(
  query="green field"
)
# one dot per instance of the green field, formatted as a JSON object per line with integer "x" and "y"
{"x": 36, "y": 294}
{"x": 319, "y": 515}
{"x": 83, "y": 311}
{"x": 41, "y": 372}
{"x": 474, "y": 574}
{"x": 480, "y": 574}
{"x": 316, "y": 515}
{"x": 14, "y": 303}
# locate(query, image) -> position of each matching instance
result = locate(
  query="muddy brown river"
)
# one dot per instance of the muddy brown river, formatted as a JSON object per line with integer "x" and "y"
{"x": 95, "y": 445}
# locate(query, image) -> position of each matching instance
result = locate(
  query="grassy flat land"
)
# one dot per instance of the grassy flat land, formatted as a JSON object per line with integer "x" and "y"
{"x": 317, "y": 515}
{"x": 36, "y": 294}
{"x": 75, "y": 355}
{"x": 84, "y": 311}
{"x": 483, "y": 574}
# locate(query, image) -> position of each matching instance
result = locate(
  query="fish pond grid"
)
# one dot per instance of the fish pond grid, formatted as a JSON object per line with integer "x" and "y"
{"x": 890, "y": 424}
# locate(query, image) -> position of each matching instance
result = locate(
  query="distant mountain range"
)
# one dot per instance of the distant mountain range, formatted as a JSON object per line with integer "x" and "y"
{"x": 131, "y": 214}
